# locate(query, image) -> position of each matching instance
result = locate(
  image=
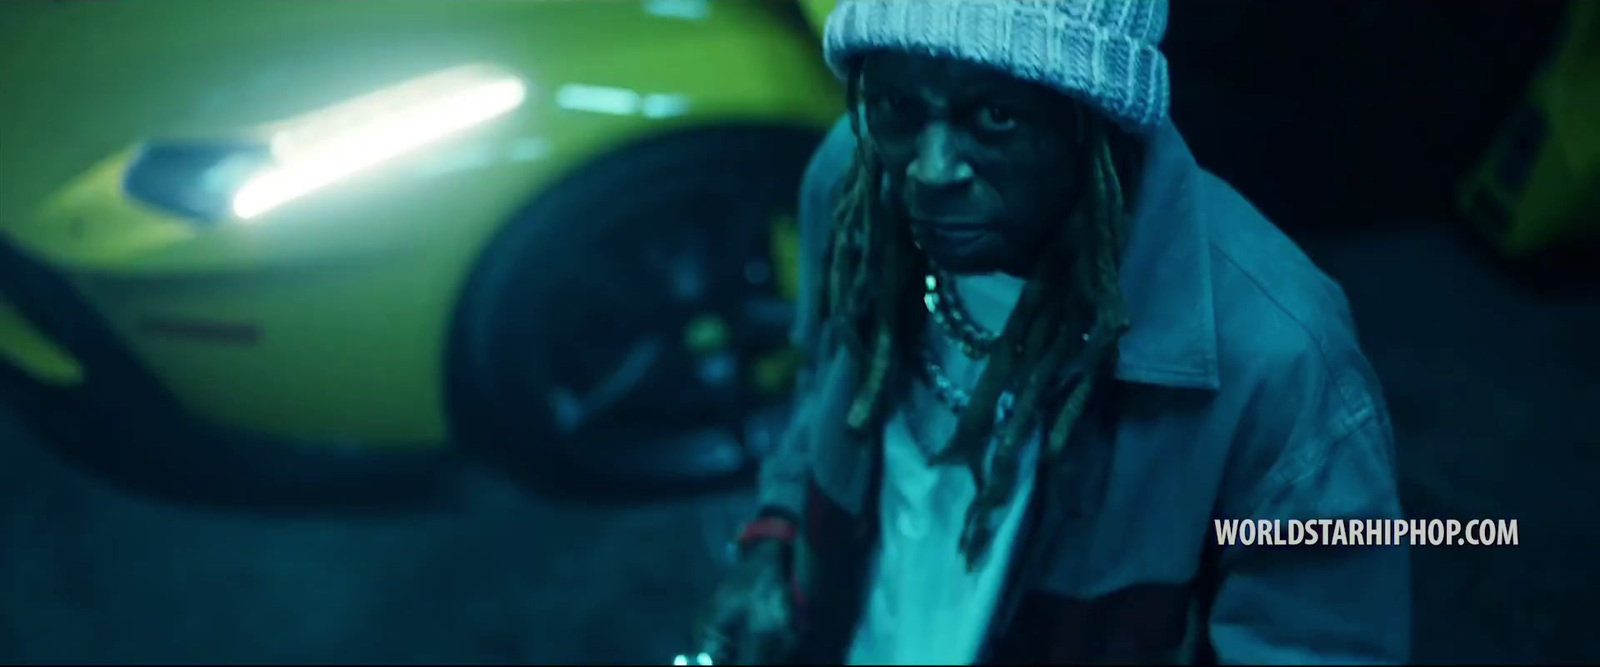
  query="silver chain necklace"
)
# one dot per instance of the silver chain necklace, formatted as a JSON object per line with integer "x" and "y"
{"x": 951, "y": 394}
{"x": 945, "y": 307}
{"x": 953, "y": 397}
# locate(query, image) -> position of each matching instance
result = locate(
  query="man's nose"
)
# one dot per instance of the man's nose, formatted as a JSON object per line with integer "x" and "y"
{"x": 938, "y": 164}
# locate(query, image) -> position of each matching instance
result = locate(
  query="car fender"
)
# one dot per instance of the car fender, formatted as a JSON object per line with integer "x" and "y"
{"x": 599, "y": 75}
{"x": 348, "y": 291}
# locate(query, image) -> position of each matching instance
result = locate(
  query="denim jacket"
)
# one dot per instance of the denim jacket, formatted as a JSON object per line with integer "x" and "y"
{"x": 1240, "y": 393}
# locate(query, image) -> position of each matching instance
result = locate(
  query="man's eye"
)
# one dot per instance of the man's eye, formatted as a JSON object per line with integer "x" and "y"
{"x": 996, "y": 119}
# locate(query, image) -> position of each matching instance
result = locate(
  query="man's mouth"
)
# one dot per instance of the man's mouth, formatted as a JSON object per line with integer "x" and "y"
{"x": 953, "y": 221}
{"x": 954, "y": 234}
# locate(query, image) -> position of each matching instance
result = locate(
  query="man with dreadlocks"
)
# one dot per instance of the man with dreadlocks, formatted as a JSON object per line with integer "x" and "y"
{"x": 1048, "y": 351}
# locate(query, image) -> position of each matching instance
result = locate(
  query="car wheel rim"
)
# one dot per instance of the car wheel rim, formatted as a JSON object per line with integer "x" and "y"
{"x": 649, "y": 375}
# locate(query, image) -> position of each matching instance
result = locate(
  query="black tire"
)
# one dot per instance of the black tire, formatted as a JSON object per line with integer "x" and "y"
{"x": 590, "y": 276}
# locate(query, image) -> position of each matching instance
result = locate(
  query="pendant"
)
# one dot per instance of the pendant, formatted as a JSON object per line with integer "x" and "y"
{"x": 1004, "y": 407}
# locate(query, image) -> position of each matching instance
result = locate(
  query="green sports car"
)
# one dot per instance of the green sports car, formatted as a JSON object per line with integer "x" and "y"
{"x": 283, "y": 245}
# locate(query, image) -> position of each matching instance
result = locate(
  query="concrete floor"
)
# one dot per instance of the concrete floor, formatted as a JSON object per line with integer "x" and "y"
{"x": 1493, "y": 392}
{"x": 89, "y": 573}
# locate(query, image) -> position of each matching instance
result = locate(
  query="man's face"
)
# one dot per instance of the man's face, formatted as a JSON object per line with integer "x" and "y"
{"x": 984, "y": 165}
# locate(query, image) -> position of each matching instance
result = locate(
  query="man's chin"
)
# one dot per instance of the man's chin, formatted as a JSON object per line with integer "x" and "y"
{"x": 966, "y": 261}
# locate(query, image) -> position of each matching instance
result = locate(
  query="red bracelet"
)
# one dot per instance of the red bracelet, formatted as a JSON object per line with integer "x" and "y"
{"x": 768, "y": 528}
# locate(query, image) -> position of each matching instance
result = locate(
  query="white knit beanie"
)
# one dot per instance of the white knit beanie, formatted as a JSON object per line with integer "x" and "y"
{"x": 1102, "y": 52}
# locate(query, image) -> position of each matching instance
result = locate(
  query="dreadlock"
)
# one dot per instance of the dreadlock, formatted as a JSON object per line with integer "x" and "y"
{"x": 873, "y": 268}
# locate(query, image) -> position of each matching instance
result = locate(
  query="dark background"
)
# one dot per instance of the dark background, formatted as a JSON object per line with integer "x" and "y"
{"x": 1347, "y": 122}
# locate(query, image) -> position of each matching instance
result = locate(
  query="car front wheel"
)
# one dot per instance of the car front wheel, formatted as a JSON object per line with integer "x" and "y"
{"x": 627, "y": 330}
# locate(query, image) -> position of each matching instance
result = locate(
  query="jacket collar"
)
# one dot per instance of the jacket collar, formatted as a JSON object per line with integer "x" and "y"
{"x": 1166, "y": 275}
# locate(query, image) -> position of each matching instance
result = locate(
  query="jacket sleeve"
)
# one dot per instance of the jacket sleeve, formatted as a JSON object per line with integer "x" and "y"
{"x": 1322, "y": 448}
{"x": 783, "y": 473}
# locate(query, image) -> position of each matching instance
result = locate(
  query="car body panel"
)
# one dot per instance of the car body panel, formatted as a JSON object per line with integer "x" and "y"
{"x": 26, "y": 347}
{"x": 328, "y": 319}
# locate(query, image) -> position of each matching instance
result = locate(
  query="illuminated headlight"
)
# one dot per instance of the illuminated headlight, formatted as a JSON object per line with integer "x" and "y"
{"x": 306, "y": 154}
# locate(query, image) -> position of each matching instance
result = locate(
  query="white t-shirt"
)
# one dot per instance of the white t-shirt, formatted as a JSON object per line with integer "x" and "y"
{"x": 924, "y": 607}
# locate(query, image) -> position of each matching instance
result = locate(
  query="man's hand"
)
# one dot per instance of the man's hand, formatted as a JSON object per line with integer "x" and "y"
{"x": 752, "y": 613}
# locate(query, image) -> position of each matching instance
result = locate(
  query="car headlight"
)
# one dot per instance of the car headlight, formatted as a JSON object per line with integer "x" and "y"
{"x": 211, "y": 182}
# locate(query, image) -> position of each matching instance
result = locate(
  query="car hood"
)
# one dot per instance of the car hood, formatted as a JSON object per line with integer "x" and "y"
{"x": 86, "y": 80}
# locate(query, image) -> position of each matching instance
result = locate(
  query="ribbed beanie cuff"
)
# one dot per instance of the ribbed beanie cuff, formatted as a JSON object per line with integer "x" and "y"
{"x": 1102, "y": 52}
